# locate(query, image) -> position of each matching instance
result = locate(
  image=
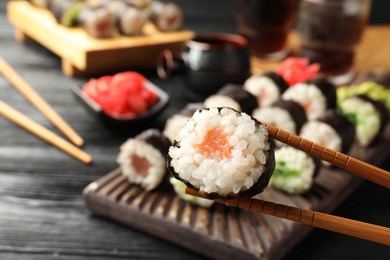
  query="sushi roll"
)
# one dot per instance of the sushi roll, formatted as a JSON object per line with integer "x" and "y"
{"x": 98, "y": 23}
{"x": 96, "y": 3}
{"x": 294, "y": 170}
{"x": 267, "y": 87}
{"x": 166, "y": 16}
{"x": 61, "y": 11}
{"x": 315, "y": 96}
{"x": 143, "y": 159}
{"x": 175, "y": 123}
{"x": 222, "y": 153}
{"x": 287, "y": 115}
{"x": 331, "y": 130}
{"x": 233, "y": 96}
{"x": 179, "y": 188}
{"x": 131, "y": 21}
{"x": 41, "y": 3}
{"x": 368, "y": 116}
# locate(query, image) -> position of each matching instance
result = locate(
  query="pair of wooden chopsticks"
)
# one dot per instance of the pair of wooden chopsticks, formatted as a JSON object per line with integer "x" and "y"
{"x": 317, "y": 219}
{"x": 30, "y": 125}
{"x": 312, "y": 218}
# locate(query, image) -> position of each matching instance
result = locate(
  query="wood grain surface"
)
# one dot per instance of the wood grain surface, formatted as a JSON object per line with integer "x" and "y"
{"x": 228, "y": 232}
{"x": 42, "y": 211}
{"x": 82, "y": 54}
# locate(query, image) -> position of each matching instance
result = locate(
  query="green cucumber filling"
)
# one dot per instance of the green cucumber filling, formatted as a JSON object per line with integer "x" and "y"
{"x": 364, "y": 116}
{"x": 284, "y": 171}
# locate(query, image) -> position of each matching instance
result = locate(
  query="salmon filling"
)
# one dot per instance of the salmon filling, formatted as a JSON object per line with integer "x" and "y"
{"x": 215, "y": 144}
{"x": 140, "y": 164}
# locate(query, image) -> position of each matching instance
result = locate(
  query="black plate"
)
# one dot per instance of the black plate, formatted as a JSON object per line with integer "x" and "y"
{"x": 98, "y": 112}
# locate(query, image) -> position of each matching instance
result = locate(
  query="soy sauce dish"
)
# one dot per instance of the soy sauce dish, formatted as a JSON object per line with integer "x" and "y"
{"x": 122, "y": 99}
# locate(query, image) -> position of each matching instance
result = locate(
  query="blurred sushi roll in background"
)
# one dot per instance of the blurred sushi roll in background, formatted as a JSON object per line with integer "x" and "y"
{"x": 166, "y": 16}
{"x": 108, "y": 18}
{"x": 98, "y": 23}
{"x": 233, "y": 96}
{"x": 179, "y": 188}
{"x": 142, "y": 159}
{"x": 222, "y": 153}
{"x": 287, "y": 115}
{"x": 368, "y": 116}
{"x": 315, "y": 96}
{"x": 41, "y": 3}
{"x": 66, "y": 12}
{"x": 176, "y": 122}
{"x": 294, "y": 170}
{"x": 266, "y": 87}
{"x": 332, "y": 130}
{"x": 132, "y": 21}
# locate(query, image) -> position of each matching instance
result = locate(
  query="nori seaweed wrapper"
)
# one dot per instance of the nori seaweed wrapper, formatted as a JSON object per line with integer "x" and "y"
{"x": 156, "y": 139}
{"x": 278, "y": 80}
{"x": 296, "y": 111}
{"x": 85, "y": 19}
{"x": 344, "y": 128}
{"x": 246, "y": 100}
{"x": 59, "y": 7}
{"x": 327, "y": 89}
{"x": 257, "y": 187}
{"x": 383, "y": 112}
{"x": 190, "y": 109}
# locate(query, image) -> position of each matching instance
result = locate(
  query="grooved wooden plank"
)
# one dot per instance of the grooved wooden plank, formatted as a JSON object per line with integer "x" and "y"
{"x": 227, "y": 232}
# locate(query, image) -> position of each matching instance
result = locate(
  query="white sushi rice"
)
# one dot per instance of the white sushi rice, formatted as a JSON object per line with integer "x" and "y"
{"x": 294, "y": 160}
{"x": 174, "y": 124}
{"x": 180, "y": 187}
{"x": 368, "y": 119}
{"x": 171, "y": 18}
{"x": 211, "y": 174}
{"x": 309, "y": 97}
{"x": 221, "y": 101}
{"x": 322, "y": 133}
{"x": 132, "y": 21}
{"x": 277, "y": 117}
{"x": 263, "y": 88}
{"x": 140, "y": 148}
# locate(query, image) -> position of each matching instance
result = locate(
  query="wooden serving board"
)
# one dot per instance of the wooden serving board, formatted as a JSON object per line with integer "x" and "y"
{"x": 82, "y": 54}
{"x": 223, "y": 232}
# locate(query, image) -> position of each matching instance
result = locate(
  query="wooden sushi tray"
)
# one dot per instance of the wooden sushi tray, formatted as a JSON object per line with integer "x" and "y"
{"x": 82, "y": 54}
{"x": 223, "y": 232}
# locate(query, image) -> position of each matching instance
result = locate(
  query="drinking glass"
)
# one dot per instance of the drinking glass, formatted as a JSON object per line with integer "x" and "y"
{"x": 266, "y": 25}
{"x": 329, "y": 32}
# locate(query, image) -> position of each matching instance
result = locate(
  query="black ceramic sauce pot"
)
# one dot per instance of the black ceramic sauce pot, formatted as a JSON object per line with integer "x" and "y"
{"x": 209, "y": 62}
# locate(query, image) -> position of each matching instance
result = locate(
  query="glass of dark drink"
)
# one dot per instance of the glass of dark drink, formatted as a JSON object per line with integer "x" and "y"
{"x": 266, "y": 24}
{"x": 329, "y": 31}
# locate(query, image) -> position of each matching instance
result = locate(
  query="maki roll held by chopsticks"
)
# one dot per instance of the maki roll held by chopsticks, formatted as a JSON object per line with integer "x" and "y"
{"x": 315, "y": 96}
{"x": 143, "y": 158}
{"x": 223, "y": 153}
{"x": 267, "y": 87}
{"x": 368, "y": 116}
{"x": 233, "y": 96}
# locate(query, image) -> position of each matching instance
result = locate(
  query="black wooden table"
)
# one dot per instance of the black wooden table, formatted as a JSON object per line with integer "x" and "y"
{"x": 42, "y": 213}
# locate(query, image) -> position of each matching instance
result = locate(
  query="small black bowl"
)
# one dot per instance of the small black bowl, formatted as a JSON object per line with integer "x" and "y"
{"x": 99, "y": 113}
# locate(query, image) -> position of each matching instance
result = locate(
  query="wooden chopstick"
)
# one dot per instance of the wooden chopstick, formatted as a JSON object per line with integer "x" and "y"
{"x": 34, "y": 98}
{"x": 343, "y": 161}
{"x": 316, "y": 219}
{"x": 43, "y": 133}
